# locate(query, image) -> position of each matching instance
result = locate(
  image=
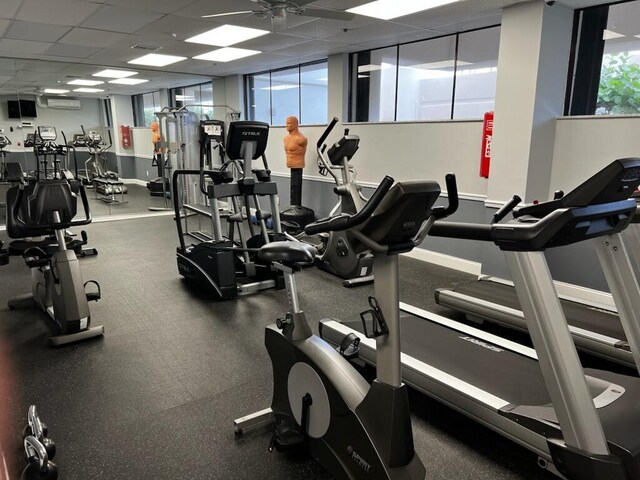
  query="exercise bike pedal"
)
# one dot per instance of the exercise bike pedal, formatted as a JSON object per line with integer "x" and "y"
{"x": 286, "y": 439}
{"x": 93, "y": 296}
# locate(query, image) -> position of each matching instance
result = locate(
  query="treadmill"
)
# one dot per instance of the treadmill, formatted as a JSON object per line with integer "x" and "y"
{"x": 596, "y": 329}
{"x": 582, "y": 424}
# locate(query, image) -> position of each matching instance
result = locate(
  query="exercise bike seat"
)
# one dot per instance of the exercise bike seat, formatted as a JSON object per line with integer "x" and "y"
{"x": 287, "y": 252}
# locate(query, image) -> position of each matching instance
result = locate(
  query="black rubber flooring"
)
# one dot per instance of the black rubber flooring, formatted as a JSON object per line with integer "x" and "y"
{"x": 157, "y": 396}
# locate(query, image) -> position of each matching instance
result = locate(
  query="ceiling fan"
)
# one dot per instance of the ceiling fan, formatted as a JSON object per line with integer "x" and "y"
{"x": 279, "y": 9}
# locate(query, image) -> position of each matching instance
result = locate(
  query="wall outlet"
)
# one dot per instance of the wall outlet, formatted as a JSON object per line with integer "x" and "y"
{"x": 1, "y": 129}
{"x": 147, "y": 173}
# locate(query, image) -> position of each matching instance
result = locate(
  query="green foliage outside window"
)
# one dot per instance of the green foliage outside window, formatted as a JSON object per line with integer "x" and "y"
{"x": 619, "y": 91}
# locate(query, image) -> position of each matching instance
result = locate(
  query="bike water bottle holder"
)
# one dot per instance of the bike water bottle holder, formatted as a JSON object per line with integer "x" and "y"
{"x": 375, "y": 316}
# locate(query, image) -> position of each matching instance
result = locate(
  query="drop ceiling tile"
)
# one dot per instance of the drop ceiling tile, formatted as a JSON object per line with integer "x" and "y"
{"x": 37, "y": 32}
{"x": 9, "y": 8}
{"x": 161, "y": 6}
{"x": 323, "y": 28}
{"x": 378, "y": 31}
{"x": 42, "y": 67}
{"x": 310, "y": 47}
{"x": 182, "y": 27}
{"x": 78, "y": 51}
{"x": 118, "y": 19}
{"x": 57, "y": 12}
{"x": 111, "y": 56}
{"x": 22, "y": 47}
{"x": 271, "y": 42}
{"x": 3, "y": 25}
{"x": 91, "y": 37}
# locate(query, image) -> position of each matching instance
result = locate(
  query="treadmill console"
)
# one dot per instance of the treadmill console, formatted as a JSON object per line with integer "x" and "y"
{"x": 617, "y": 181}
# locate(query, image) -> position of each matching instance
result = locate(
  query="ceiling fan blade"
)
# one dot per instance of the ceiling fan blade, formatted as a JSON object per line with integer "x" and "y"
{"x": 302, "y": 3}
{"x": 228, "y": 13}
{"x": 328, "y": 14}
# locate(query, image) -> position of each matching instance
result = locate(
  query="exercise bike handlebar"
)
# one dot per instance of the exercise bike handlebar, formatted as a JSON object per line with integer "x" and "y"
{"x": 327, "y": 131}
{"x": 53, "y": 226}
{"x": 452, "y": 197}
{"x": 345, "y": 221}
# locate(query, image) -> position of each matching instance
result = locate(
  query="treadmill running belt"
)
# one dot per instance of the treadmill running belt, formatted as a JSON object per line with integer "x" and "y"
{"x": 578, "y": 315}
{"x": 516, "y": 378}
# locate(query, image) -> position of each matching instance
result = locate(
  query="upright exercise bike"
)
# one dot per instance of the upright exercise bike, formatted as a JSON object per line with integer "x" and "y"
{"x": 48, "y": 207}
{"x": 320, "y": 402}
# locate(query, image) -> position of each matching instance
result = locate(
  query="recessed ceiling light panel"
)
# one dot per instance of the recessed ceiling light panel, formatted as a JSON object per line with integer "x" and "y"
{"x": 227, "y": 35}
{"x": 88, "y": 83}
{"x": 388, "y": 9}
{"x": 128, "y": 81}
{"x": 227, "y": 54}
{"x": 157, "y": 60}
{"x": 88, "y": 90}
{"x": 55, "y": 90}
{"x": 109, "y": 73}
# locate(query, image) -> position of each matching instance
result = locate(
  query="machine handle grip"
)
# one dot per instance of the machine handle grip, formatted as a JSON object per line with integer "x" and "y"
{"x": 505, "y": 209}
{"x": 8, "y": 140}
{"x": 453, "y": 199}
{"x": 345, "y": 221}
{"x": 110, "y": 140}
{"x": 327, "y": 131}
{"x": 83, "y": 131}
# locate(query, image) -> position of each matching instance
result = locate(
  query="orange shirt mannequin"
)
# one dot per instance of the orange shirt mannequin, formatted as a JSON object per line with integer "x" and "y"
{"x": 295, "y": 148}
{"x": 295, "y": 144}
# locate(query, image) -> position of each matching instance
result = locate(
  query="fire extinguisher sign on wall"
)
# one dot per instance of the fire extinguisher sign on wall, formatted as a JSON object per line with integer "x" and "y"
{"x": 126, "y": 136}
{"x": 487, "y": 135}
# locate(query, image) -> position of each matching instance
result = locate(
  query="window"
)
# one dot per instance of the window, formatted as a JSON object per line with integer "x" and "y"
{"x": 374, "y": 75}
{"x": 448, "y": 77}
{"x": 301, "y": 91}
{"x": 606, "y": 69}
{"x": 314, "y": 98}
{"x": 259, "y": 97}
{"x": 425, "y": 79}
{"x": 197, "y": 98}
{"x": 476, "y": 73}
{"x": 144, "y": 108}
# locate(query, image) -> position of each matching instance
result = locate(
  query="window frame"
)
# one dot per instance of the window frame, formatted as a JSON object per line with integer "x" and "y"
{"x": 298, "y": 67}
{"x": 352, "y": 92}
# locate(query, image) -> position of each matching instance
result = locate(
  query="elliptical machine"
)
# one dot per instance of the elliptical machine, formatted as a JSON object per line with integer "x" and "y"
{"x": 44, "y": 208}
{"x": 224, "y": 266}
{"x": 320, "y": 402}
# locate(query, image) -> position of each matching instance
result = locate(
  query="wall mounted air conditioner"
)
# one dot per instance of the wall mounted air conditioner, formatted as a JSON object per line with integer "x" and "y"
{"x": 64, "y": 103}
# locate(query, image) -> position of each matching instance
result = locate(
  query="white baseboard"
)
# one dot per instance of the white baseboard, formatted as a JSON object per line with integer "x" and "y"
{"x": 443, "y": 260}
{"x": 134, "y": 181}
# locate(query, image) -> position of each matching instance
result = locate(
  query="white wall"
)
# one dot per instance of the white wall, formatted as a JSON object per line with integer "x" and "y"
{"x": 142, "y": 142}
{"x": 69, "y": 121}
{"x": 584, "y": 145}
{"x": 406, "y": 151}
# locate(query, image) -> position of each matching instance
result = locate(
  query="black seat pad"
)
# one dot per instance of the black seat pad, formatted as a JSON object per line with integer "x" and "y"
{"x": 290, "y": 252}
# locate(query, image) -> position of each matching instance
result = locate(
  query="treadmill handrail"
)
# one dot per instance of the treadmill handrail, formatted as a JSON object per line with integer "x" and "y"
{"x": 519, "y": 231}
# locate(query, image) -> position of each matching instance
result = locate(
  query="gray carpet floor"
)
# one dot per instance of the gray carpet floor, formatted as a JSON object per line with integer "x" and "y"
{"x": 156, "y": 397}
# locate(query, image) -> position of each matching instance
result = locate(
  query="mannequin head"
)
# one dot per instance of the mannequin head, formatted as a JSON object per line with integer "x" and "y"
{"x": 292, "y": 123}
